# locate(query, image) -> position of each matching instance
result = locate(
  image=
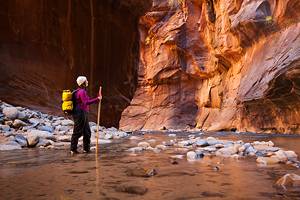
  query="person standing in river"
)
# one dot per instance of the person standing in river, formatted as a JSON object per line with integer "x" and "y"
{"x": 80, "y": 115}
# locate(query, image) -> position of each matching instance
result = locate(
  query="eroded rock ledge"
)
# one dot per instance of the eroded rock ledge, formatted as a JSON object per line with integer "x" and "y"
{"x": 218, "y": 65}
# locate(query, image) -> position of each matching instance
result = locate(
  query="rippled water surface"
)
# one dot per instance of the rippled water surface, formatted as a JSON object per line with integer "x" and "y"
{"x": 114, "y": 174}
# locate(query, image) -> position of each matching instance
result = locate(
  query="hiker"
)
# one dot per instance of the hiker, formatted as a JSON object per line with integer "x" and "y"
{"x": 80, "y": 115}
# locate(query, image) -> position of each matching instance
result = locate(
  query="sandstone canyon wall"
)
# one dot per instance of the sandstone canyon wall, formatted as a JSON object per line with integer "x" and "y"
{"x": 218, "y": 65}
{"x": 46, "y": 44}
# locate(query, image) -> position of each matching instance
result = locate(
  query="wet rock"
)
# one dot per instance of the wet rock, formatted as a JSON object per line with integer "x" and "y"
{"x": 64, "y": 138}
{"x": 136, "y": 149}
{"x": 18, "y": 123}
{"x": 201, "y": 143}
{"x": 228, "y": 151}
{"x": 43, "y": 143}
{"x": 268, "y": 160}
{"x": 92, "y": 124}
{"x": 67, "y": 122}
{"x": 10, "y": 112}
{"x": 161, "y": 147}
{"x": 8, "y": 133}
{"x": 174, "y": 161}
{"x": 186, "y": 143}
{"x": 21, "y": 140}
{"x": 4, "y": 128}
{"x": 141, "y": 172}
{"x": 32, "y": 140}
{"x": 135, "y": 138}
{"x": 108, "y": 136}
{"x": 208, "y": 149}
{"x": 46, "y": 128}
{"x": 22, "y": 115}
{"x": 250, "y": 151}
{"x": 291, "y": 155}
{"x": 132, "y": 189}
{"x": 212, "y": 141}
{"x": 41, "y": 134}
{"x": 177, "y": 156}
{"x": 172, "y": 135}
{"x": 9, "y": 123}
{"x": 192, "y": 155}
{"x": 288, "y": 180}
{"x": 8, "y": 147}
{"x": 35, "y": 121}
{"x": 144, "y": 144}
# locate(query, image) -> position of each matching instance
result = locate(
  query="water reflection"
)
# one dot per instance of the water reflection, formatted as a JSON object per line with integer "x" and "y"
{"x": 113, "y": 174}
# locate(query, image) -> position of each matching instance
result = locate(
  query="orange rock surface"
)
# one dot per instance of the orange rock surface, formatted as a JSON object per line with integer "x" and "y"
{"x": 218, "y": 65}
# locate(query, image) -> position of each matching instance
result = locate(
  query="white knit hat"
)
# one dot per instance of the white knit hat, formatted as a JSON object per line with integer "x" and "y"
{"x": 80, "y": 80}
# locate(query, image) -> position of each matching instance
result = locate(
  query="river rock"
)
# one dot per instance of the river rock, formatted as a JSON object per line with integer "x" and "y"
{"x": 177, "y": 156}
{"x": 19, "y": 123}
{"x": 64, "y": 138}
{"x": 34, "y": 121}
{"x": 135, "y": 138}
{"x": 67, "y": 122}
{"x": 268, "y": 160}
{"x": 201, "y": 143}
{"x": 32, "y": 140}
{"x": 131, "y": 189}
{"x": 161, "y": 147}
{"x": 289, "y": 180}
{"x": 46, "y": 128}
{"x": 41, "y": 134}
{"x": 228, "y": 151}
{"x": 44, "y": 143}
{"x": 92, "y": 124}
{"x": 108, "y": 136}
{"x": 144, "y": 144}
{"x": 135, "y": 149}
{"x": 212, "y": 141}
{"x": 8, "y": 147}
{"x": 5, "y": 128}
{"x": 21, "y": 140}
{"x": 10, "y": 112}
{"x": 192, "y": 155}
{"x": 172, "y": 135}
{"x": 8, "y": 133}
{"x": 291, "y": 155}
{"x": 22, "y": 115}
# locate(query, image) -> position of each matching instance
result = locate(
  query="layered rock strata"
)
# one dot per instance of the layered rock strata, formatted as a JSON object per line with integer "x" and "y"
{"x": 218, "y": 65}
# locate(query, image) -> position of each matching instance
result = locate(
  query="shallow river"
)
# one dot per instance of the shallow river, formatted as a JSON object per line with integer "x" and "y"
{"x": 54, "y": 174}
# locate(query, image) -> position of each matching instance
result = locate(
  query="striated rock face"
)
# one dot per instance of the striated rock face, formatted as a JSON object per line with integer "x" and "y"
{"x": 218, "y": 65}
{"x": 45, "y": 45}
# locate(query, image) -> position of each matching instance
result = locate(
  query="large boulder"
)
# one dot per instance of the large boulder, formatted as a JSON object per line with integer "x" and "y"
{"x": 10, "y": 112}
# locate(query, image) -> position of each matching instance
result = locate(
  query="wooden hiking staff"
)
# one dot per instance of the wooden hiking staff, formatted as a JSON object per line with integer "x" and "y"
{"x": 98, "y": 119}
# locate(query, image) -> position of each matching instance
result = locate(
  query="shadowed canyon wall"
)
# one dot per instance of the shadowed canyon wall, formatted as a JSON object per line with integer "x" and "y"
{"x": 218, "y": 65}
{"x": 46, "y": 44}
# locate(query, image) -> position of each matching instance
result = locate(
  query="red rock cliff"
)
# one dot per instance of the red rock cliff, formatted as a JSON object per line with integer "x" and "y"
{"x": 46, "y": 44}
{"x": 218, "y": 65}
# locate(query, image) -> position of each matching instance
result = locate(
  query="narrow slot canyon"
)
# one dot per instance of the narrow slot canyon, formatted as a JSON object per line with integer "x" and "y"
{"x": 45, "y": 45}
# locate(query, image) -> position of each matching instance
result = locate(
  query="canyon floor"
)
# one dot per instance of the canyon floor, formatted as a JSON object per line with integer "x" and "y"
{"x": 118, "y": 173}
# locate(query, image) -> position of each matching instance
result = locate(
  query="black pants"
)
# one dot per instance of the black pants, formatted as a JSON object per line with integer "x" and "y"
{"x": 81, "y": 128}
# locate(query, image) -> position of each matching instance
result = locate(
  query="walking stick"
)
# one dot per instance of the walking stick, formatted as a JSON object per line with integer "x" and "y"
{"x": 98, "y": 122}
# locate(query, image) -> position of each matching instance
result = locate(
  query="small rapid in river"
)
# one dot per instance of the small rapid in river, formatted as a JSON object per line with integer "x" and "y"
{"x": 117, "y": 174}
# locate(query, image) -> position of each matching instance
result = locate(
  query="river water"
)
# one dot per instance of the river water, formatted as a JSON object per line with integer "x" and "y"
{"x": 114, "y": 173}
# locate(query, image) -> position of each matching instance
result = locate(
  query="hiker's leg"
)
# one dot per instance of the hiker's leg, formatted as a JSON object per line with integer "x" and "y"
{"x": 86, "y": 133}
{"x": 78, "y": 129}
